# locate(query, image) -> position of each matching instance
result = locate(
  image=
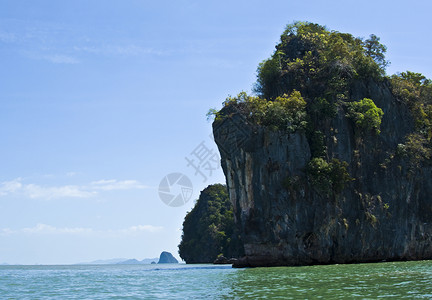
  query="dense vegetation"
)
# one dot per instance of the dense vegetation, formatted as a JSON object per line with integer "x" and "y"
{"x": 416, "y": 91}
{"x": 328, "y": 177}
{"x": 283, "y": 113}
{"x": 366, "y": 115}
{"x": 309, "y": 80}
{"x": 208, "y": 230}
{"x": 319, "y": 63}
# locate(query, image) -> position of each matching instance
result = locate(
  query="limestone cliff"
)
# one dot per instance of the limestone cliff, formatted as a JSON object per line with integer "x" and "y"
{"x": 384, "y": 210}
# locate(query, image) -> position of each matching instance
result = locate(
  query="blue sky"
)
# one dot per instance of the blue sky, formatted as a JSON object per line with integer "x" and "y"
{"x": 99, "y": 100}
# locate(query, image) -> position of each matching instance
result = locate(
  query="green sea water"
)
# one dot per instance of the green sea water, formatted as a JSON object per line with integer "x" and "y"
{"x": 398, "y": 280}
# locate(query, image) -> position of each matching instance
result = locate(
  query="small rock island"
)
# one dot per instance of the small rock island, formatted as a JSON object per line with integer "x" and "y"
{"x": 167, "y": 258}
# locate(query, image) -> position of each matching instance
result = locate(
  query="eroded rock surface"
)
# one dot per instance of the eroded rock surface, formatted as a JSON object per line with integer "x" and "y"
{"x": 384, "y": 213}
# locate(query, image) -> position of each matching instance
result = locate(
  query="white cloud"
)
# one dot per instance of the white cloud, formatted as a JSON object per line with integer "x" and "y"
{"x": 36, "y": 191}
{"x": 68, "y": 191}
{"x": 141, "y": 228}
{"x": 47, "y": 229}
{"x": 71, "y": 174}
{"x": 6, "y": 231}
{"x": 119, "y": 50}
{"x": 44, "y": 229}
{"x": 8, "y": 187}
{"x": 112, "y": 184}
{"x": 133, "y": 50}
{"x": 50, "y": 57}
{"x": 92, "y": 50}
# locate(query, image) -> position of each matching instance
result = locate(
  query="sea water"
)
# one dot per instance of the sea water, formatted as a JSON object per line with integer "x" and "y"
{"x": 396, "y": 280}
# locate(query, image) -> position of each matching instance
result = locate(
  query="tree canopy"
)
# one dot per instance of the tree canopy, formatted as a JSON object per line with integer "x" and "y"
{"x": 415, "y": 90}
{"x": 208, "y": 229}
{"x": 366, "y": 115}
{"x": 318, "y": 62}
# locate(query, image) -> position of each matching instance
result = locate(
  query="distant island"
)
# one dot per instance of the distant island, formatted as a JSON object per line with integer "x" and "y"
{"x": 120, "y": 261}
{"x": 164, "y": 258}
{"x": 145, "y": 261}
{"x": 167, "y": 258}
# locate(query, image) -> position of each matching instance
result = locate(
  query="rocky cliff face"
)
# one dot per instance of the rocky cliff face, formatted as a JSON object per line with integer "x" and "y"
{"x": 384, "y": 213}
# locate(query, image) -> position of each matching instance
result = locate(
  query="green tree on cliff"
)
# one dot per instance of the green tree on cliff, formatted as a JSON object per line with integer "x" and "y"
{"x": 208, "y": 230}
{"x": 376, "y": 50}
{"x": 366, "y": 115}
{"x": 318, "y": 62}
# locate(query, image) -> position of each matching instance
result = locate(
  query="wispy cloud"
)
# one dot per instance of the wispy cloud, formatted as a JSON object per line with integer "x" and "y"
{"x": 54, "y": 58}
{"x": 119, "y": 50}
{"x": 36, "y": 191}
{"x": 10, "y": 187}
{"x": 7, "y": 37}
{"x": 47, "y": 229}
{"x": 60, "y": 59}
{"x": 58, "y": 43}
{"x": 6, "y": 231}
{"x": 71, "y": 174}
{"x": 68, "y": 191}
{"x": 44, "y": 229}
{"x": 140, "y": 228}
{"x": 112, "y": 184}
